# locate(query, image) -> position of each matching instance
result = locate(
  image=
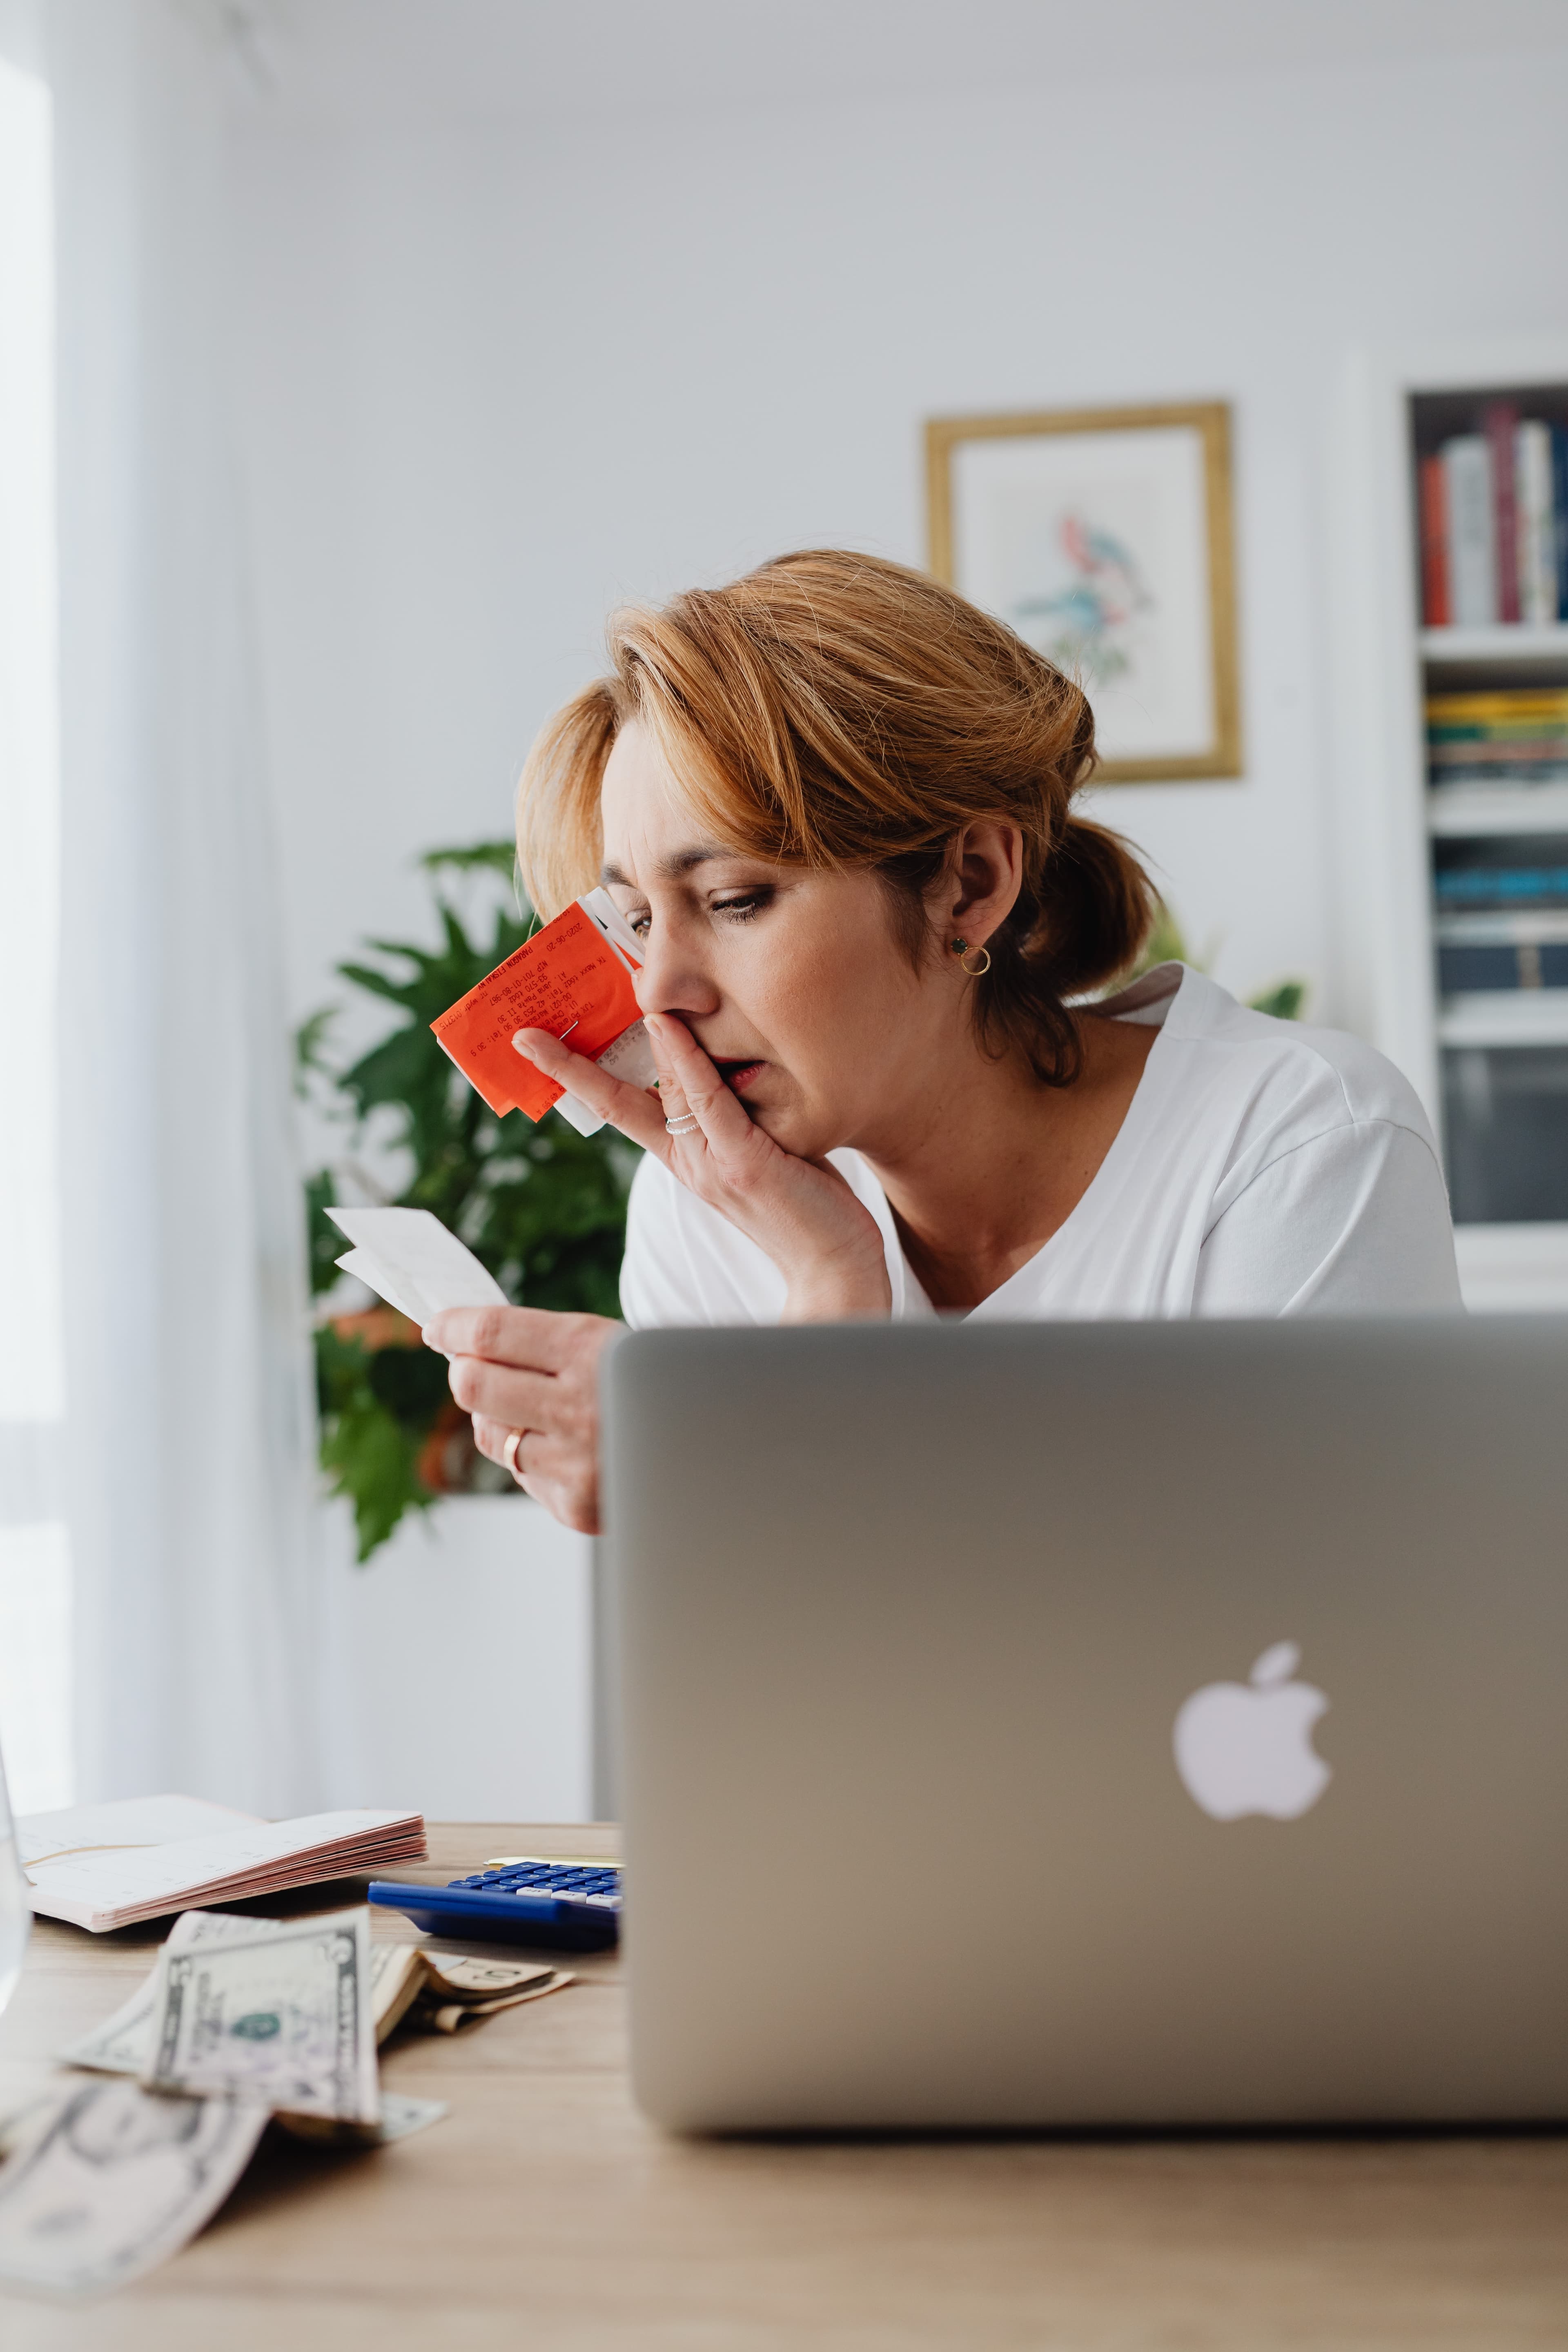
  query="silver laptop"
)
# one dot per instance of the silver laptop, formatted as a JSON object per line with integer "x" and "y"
{"x": 1076, "y": 1725}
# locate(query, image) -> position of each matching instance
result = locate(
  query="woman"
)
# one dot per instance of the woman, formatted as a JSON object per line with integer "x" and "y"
{"x": 833, "y": 802}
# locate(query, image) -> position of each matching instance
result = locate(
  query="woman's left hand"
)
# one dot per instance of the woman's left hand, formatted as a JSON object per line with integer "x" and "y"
{"x": 519, "y": 1368}
{"x": 800, "y": 1212}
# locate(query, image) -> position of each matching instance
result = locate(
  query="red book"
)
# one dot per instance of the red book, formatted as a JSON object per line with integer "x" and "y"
{"x": 1500, "y": 423}
{"x": 1435, "y": 607}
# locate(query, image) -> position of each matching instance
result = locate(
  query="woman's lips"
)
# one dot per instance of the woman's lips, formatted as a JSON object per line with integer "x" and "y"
{"x": 738, "y": 1075}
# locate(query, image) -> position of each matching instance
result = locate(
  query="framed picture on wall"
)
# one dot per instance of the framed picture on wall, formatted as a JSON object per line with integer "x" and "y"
{"x": 1104, "y": 536}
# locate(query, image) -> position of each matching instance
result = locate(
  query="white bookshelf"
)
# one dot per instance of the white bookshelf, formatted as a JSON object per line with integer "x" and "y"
{"x": 1525, "y": 1016}
{"x": 1515, "y": 647}
{"x": 1387, "y": 822}
{"x": 1540, "y": 808}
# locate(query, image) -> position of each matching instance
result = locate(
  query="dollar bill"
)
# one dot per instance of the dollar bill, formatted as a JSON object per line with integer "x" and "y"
{"x": 105, "y": 2181}
{"x": 123, "y": 2044}
{"x": 281, "y": 2020}
{"x": 400, "y": 2117}
{"x": 435, "y": 1993}
{"x": 14, "y": 2125}
{"x": 408, "y": 1982}
{"x": 398, "y": 1974}
{"x": 462, "y": 1976}
{"x": 450, "y": 2017}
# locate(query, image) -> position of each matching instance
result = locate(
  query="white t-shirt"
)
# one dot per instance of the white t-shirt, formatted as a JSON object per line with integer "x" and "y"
{"x": 1262, "y": 1168}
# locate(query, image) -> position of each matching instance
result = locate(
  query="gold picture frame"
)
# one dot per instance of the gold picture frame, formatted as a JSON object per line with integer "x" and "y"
{"x": 1001, "y": 511}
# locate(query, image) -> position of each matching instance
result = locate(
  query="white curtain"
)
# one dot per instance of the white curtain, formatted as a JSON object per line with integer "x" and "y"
{"x": 189, "y": 1431}
{"x": 35, "y": 1566}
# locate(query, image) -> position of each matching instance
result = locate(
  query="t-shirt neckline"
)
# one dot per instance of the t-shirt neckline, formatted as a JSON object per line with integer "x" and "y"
{"x": 1154, "y": 993}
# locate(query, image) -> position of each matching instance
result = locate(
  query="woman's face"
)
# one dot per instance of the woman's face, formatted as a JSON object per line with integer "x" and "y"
{"x": 792, "y": 981}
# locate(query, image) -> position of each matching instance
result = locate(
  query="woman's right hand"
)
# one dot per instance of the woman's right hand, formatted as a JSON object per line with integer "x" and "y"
{"x": 800, "y": 1212}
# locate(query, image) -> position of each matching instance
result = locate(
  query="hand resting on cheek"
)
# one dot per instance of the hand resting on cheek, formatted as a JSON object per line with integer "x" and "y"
{"x": 517, "y": 1368}
{"x": 800, "y": 1212}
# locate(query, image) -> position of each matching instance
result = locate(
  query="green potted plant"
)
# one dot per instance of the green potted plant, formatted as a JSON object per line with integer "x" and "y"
{"x": 542, "y": 1207}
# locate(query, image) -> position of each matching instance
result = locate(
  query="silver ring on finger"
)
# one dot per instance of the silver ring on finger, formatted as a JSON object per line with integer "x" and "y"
{"x": 686, "y": 1124}
{"x": 508, "y": 1452}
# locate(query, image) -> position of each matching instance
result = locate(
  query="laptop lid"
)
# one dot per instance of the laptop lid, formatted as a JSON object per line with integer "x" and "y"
{"x": 1094, "y": 1724}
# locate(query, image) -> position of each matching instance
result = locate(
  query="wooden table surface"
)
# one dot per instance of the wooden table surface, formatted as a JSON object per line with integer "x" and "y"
{"x": 544, "y": 2210}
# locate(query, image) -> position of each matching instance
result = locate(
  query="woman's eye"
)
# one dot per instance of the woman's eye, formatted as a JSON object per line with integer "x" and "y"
{"x": 742, "y": 905}
{"x": 640, "y": 922}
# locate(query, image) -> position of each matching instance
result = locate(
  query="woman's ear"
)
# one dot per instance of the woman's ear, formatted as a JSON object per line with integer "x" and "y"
{"x": 981, "y": 888}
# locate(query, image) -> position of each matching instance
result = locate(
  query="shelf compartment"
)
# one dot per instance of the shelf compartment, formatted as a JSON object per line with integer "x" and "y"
{"x": 1512, "y": 1269}
{"x": 1505, "y": 1107}
{"x": 1500, "y": 648}
{"x": 1498, "y": 808}
{"x": 1503, "y": 927}
{"x": 1505, "y": 1017}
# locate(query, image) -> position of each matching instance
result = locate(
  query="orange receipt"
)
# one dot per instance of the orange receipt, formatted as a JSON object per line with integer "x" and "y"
{"x": 567, "y": 979}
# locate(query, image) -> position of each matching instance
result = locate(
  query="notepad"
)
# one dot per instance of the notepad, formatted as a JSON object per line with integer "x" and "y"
{"x": 573, "y": 978}
{"x": 103, "y": 1866}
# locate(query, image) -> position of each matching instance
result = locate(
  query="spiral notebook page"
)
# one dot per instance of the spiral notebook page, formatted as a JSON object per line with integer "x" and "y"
{"x": 113, "y": 1885}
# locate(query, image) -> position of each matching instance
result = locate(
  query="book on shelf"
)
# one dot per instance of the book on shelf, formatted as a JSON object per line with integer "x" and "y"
{"x": 1500, "y": 423}
{"x": 1507, "y": 735}
{"x": 1492, "y": 970}
{"x": 1492, "y": 509}
{"x": 1535, "y": 524}
{"x": 1482, "y": 953}
{"x": 1471, "y": 531}
{"x": 1502, "y": 882}
{"x": 1435, "y": 608}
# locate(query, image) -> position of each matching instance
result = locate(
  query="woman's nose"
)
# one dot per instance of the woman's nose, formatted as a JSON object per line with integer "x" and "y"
{"x": 672, "y": 979}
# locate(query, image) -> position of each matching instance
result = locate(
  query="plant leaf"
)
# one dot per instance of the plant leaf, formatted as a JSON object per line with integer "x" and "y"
{"x": 542, "y": 1207}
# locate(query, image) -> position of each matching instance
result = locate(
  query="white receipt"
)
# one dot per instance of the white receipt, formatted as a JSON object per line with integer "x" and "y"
{"x": 416, "y": 1265}
{"x": 630, "y": 1056}
{"x": 374, "y": 1276}
{"x": 606, "y": 918}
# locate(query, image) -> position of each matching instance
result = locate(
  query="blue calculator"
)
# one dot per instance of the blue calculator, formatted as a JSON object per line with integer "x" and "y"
{"x": 519, "y": 1899}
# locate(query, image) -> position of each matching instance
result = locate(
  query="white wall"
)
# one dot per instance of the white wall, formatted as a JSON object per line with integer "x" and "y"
{"x": 460, "y": 1664}
{"x": 501, "y": 374}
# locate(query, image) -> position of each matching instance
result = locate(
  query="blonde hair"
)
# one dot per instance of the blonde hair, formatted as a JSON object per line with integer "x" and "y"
{"x": 835, "y": 710}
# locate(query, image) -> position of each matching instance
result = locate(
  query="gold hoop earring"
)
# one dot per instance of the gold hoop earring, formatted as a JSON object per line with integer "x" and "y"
{"x": 973, "y": 972}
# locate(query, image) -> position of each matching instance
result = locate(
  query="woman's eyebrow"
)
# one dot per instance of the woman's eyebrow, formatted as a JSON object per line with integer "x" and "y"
{"x": 680, "y": 861}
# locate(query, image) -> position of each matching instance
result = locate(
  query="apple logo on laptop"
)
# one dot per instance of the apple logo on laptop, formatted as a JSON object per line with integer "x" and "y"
{"x": 1247, "y": 1747}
